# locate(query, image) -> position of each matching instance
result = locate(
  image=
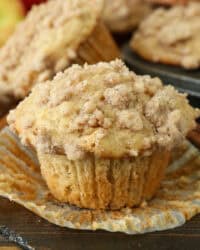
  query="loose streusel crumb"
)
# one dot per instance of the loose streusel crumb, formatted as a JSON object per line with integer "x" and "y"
{"x": 103, "y": 109}
{"x": 171, "y": 36}
{"x": 45, "y": 43}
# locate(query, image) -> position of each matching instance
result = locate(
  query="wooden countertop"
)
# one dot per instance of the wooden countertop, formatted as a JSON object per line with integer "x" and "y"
{"x": 42, "y": 235}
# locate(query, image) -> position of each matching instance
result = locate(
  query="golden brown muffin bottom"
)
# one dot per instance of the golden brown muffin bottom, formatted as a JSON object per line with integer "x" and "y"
{"x": 101, "y": 183}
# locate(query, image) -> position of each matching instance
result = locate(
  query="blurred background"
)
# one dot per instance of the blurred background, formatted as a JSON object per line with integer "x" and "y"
{"x": 12, "y": 12}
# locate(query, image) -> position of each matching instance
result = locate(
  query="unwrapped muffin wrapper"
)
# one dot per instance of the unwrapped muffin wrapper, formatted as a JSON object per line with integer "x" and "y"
{"x": 177, "y": 200}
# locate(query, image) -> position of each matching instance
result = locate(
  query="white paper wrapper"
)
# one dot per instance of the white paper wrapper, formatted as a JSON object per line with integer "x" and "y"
{"x": 177, "y": 200}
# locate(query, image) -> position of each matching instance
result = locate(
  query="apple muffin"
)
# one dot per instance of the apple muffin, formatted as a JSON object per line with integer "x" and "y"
{"x": 103, "y": 134}
{"x": 124, "y": 15}
{"x": 54, "y": 35}
{"x": 170, "y": 36}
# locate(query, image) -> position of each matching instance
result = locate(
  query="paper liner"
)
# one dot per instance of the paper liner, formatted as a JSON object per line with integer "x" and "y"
{"x": 177, "y": 200}
{"x": 99, "y": 46}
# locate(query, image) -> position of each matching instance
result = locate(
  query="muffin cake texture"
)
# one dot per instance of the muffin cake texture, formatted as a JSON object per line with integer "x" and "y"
{"x": 54, "y": 35}
{"x": 124, "y": 15}
{"x": 171, "y": 36}
{"x": 103, "y": 135}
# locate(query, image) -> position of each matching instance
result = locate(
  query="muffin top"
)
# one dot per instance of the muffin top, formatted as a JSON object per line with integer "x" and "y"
{"x": 171, "y": 36}
{"x": 124, "y": 15}
{"x": 103, "y": 109}
{"x": 45, "y": 43}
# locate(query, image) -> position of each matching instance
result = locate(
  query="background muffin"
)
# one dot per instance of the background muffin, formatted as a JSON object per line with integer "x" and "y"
{"x": 125, "y": 15}
{"x": 53, "y": 35}
{"x": 170, "y": 36}
{"x": 103, "y": 134}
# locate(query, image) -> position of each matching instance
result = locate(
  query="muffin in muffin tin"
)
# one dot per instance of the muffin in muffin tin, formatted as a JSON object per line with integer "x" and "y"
{"x": 170, "y": 36}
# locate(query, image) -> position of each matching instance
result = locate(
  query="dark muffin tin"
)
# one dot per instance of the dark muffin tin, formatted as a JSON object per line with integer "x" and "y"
{"x": 184, "y": 80}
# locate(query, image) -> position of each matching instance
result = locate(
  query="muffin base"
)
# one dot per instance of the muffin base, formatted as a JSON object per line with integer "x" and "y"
{"x": 101, "y": 183}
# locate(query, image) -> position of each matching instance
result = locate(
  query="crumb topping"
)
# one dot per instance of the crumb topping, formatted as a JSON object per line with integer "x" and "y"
{"x": 103, "y": 109}
{"x": 176, "y": 30}
{"x": 45, "y": 43}
{"x": 130, "y": 119}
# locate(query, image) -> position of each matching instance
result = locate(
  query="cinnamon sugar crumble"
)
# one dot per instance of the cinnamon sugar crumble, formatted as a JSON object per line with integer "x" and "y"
{"x": 118, "y": 96}
{"x": 86, "y": 111}
{"x": 130, "y": 119}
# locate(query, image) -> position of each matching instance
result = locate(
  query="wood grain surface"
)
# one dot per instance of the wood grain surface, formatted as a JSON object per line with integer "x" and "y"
{"x": 9, "y": 248}
{"x": 42, "y": 235}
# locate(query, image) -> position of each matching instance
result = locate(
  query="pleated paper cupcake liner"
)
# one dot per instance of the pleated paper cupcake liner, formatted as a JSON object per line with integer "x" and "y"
{"x": 177, "y": 200}
{"x": 99, "y": 46}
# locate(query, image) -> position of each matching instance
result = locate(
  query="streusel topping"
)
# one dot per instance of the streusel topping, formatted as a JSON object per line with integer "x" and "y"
{"x": 172, "y": 35}
{"x": 103, "y": 109}
{"x": 45, "y": 43}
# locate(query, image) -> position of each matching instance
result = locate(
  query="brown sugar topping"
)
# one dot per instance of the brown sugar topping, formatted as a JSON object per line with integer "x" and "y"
{"x": 103, "y": 109}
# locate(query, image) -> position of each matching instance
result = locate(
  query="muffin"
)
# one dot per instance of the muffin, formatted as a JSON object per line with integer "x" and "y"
{"x": 54, "y": 35}
{"x": 170, "y": 36}
{"x": 124, "y": 15}
{"x": 103, "y": 135}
